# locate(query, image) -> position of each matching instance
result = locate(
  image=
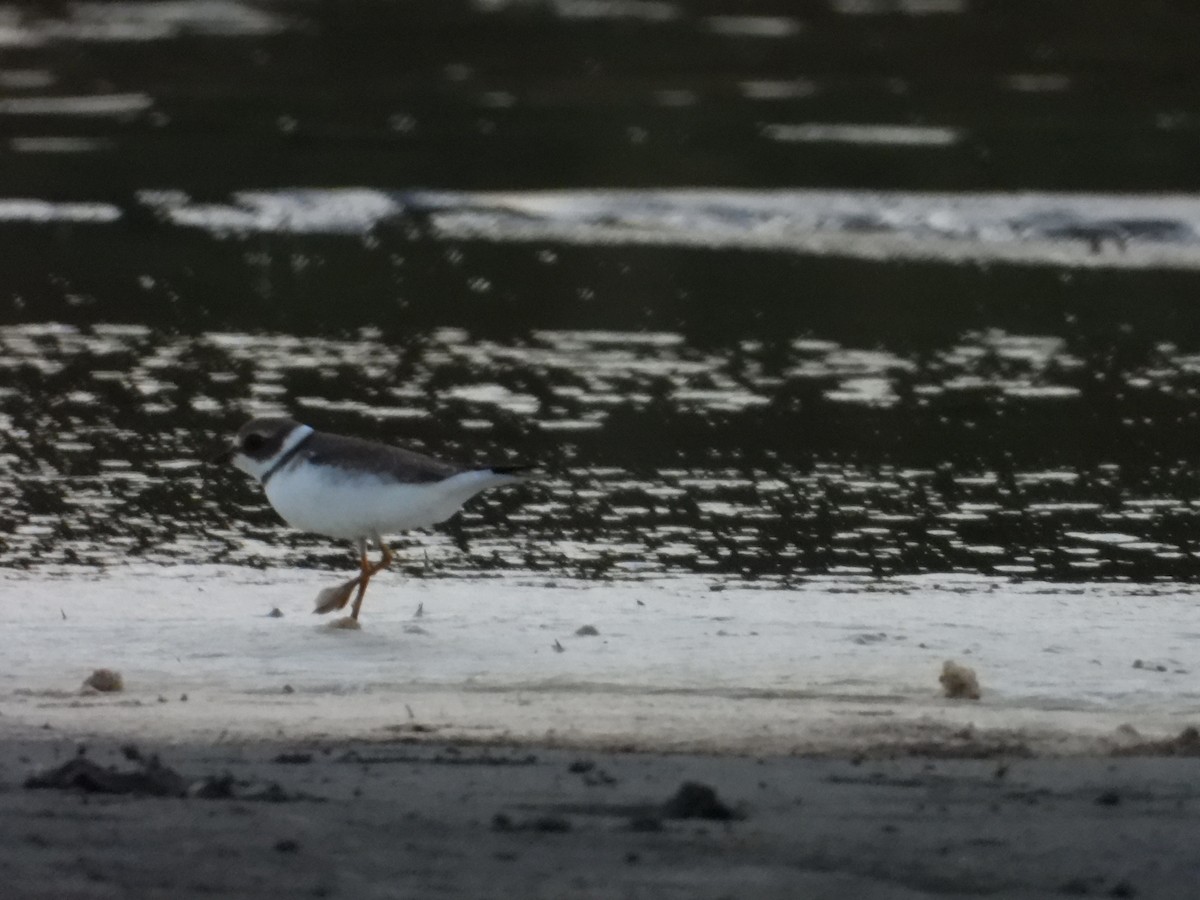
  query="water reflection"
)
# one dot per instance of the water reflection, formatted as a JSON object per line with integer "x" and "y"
{"x": 887, "y": 94}
{"x": 132, "y": 21}
{"x": 741, "y": 462}
{"x": 775, "y": 377}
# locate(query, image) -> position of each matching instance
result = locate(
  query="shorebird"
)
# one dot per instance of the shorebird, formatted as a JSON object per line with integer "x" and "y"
{"x": 352, "y": 489}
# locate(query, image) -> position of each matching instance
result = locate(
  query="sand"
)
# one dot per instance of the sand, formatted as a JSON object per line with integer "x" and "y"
{"x": 836, "y": 665}
{"x": 461, "y": 752}
{"x": 396, "y": 819}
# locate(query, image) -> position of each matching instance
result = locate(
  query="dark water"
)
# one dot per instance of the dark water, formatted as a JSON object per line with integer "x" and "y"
{"x": 746, "y": 412}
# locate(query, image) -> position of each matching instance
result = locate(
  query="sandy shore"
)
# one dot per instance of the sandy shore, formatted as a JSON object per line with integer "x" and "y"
{"x": 486, "y": 748}
{"x": 838, "y": 665}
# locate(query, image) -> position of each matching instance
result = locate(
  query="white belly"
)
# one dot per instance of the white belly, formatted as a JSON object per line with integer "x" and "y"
{"x": 342, "y": 505}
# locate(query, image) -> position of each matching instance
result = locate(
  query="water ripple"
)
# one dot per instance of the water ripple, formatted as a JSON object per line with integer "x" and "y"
{"x": 106, "y": 427}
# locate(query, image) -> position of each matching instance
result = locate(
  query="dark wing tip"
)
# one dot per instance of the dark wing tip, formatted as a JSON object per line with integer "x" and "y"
{"x": 513, "y": 470}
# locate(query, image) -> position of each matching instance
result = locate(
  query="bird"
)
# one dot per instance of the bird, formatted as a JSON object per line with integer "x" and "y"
{"x": 353, "y": 489}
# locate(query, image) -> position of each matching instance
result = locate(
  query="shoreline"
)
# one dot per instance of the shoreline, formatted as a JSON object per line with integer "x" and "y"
{"x": 461, "y": 753}
{"x": 834, "y": 668}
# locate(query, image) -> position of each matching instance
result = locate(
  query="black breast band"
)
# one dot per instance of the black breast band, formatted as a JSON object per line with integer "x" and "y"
{"x": 286, "y": 458}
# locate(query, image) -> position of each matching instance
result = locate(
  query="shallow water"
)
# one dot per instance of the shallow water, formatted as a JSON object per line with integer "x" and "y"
{"x": 102, "y": 100}
{"x": 995, "y": 453}
{"x": 889, "y": 344}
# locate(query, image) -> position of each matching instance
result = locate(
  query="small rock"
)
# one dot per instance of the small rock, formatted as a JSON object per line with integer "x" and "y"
{"x": 105, "y": 681}
{"x": 275, "y": 613}
{"x": 558, "y": 647}
{"x": 587, "y": 631}
{"x": 287, "y": 846}
{"x": 959, "y": 682}
{"x": 694, "y": 800}
{"x": 288, "y": 689}
{"x": 1109, "y": 798}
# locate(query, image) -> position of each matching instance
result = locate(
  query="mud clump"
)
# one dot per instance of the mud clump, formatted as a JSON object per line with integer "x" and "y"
{"x": 694, "y": 800}
{"x": 959, "y": 682}
{"x": 226, "y": 787}
{"x": 1186, "y": 743}
{"x": 151, "y": 779}
{"x": 104, "y": 681}
{"x": 545, "y": 824}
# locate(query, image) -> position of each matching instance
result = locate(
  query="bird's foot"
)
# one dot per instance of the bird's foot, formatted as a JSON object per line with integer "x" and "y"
{"x": 336, "y": 597}
{"x": 347, "y": 622}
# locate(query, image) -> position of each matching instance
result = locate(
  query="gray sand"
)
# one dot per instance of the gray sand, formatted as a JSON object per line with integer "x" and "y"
{"x": 421, "y": 761}
{"x": 405, "y": 819}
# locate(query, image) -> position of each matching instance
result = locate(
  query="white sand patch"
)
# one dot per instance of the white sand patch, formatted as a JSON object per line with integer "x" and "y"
{"x": 839, "y": 663}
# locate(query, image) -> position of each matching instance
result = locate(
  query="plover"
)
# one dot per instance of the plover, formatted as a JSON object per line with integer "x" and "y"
{"x": 345, "y": 487}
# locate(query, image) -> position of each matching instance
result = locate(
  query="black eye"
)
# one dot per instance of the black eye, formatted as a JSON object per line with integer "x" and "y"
{"x": 252, "y": 442}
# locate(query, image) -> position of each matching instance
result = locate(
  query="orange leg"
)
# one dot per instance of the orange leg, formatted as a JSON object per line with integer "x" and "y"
{"x": 368, "y": 570}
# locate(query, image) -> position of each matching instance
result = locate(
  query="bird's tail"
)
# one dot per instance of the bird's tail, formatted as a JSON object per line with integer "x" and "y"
{"x": 515, "y": 471}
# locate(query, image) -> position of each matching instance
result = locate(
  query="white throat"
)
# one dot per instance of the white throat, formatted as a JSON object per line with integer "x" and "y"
{"x": 261, "y": 468}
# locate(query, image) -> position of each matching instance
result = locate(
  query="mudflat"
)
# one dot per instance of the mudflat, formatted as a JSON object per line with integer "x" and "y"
{"x": 476, "y": 740}
{"x": 424, "y": 818}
